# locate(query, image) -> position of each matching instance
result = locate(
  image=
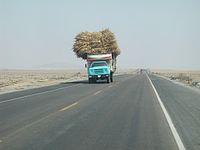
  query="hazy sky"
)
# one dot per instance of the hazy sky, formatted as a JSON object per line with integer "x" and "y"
{"x": 150, "y": 33}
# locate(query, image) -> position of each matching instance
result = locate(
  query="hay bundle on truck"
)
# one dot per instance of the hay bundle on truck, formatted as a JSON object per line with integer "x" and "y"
{"x": 100, "y": 50}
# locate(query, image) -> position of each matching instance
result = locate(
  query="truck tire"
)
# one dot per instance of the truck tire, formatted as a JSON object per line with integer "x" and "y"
{"x": 90, "y": 80}
{"x": 111, "y": 77}
{"x": 108, "y": 80}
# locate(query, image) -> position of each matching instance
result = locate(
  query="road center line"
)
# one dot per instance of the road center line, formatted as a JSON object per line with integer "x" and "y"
{"x": 169, "y": 120}
{"x": 70, "y": 106}
{"x": 97, "y": 92}
{"x": 14, "y": 99}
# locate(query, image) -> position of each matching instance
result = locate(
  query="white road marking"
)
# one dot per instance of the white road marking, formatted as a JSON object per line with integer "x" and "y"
{"x": 14, "y": 99}
{"x": 110, "y": 86}
{"x": 1, "y": 141}
{"x": 169, "y": 120}
{"x": 65, "y": 108}
{"x": 97, "y": 92}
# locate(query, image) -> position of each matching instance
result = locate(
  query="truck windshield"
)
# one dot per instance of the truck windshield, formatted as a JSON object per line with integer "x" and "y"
{"x": 97, "y": 64}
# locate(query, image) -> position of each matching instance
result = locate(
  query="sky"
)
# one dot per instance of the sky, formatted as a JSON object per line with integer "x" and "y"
{"x": 155, "y": 34}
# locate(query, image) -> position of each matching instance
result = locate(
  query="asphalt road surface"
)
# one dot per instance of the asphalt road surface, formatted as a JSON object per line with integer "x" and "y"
{"x": 124, "y": 115}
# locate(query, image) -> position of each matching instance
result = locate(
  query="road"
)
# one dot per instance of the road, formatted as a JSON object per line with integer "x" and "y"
{"x": 124, "y": 115}
{"x": 183, "y": 105}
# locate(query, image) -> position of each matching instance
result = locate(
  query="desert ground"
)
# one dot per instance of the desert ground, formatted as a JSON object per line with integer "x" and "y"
{"x": 13, "y": 80}
{"x": 185, "y": 76}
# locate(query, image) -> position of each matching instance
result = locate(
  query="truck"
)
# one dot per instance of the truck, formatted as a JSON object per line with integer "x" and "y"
{"x": 101, "y": 67}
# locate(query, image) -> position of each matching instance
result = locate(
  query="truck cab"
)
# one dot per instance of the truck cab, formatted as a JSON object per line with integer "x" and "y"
{"x": 100, "y": 67}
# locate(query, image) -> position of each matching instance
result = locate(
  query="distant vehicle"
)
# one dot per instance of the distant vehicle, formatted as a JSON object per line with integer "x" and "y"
{"x": 141, "y": 71}
{"x": 196, "y": 83}
{"x": 101, "y": 67}
{"x": 173, "y": 78}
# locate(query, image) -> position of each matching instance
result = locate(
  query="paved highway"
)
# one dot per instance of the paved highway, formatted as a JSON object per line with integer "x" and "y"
{"x": 124, "y": 115}
{"x": 183, "y": 105}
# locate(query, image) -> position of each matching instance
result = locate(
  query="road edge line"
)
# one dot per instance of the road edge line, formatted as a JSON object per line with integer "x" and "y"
{"x": 169, "y": 120}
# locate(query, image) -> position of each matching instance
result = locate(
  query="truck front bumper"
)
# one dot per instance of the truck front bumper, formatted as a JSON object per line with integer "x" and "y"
{"x": 99, "y": 77}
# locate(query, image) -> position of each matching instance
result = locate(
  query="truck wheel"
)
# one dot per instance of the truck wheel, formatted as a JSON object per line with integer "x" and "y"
{"x": 90, "y": 80}
{"x": 111, "y": 77}
{"x": 108, "y": 80}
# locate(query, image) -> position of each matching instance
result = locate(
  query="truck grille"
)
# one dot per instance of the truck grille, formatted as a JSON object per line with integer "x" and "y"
{"x": 98, "y": 71}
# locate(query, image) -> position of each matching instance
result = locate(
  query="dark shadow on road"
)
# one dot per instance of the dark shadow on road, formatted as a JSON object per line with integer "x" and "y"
{"x": 84, "y": 82}
{"x": 76, "y": 82}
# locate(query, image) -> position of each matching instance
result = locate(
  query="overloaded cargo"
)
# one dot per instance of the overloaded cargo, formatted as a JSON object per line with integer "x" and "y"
{"x": 100, "y": 49}
{"x": 102, "y": 42}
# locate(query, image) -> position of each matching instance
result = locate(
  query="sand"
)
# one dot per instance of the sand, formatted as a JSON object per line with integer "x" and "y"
{"x": 184, "y": 76}
{"x": 14, "y": 80}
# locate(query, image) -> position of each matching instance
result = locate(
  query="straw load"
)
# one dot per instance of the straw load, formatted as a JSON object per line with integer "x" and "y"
{"x": 102, "y": 42}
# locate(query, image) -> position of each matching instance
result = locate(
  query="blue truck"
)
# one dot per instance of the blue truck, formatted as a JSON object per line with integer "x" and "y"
{"x": 101, "y": 67}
